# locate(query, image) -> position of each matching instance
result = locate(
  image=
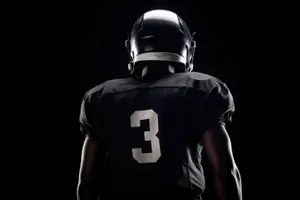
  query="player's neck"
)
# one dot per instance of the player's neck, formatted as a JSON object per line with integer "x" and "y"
{"x": 158, "y": 71}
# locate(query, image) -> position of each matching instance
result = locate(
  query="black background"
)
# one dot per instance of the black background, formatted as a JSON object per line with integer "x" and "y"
{"x": 226, "y": 36}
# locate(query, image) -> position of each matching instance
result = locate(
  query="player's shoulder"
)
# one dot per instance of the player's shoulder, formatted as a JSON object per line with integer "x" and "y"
{"x": 105, "y": 87}
{"x": 204, "y": 81}
{"x": 198, "y": 76}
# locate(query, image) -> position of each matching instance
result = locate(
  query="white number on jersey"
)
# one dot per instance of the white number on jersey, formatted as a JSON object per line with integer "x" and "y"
{"x": 135, "y": 120}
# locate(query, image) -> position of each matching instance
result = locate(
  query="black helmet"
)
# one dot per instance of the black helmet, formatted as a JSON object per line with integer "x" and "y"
{"x": 160, "y": 35}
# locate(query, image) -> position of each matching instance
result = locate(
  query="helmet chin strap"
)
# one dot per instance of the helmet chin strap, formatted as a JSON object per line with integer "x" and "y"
{"x": 130, "y": 64}
{"x": 190, "y": 68}
{"x": 190, "y": 65}
{"x": 131, "y": 67}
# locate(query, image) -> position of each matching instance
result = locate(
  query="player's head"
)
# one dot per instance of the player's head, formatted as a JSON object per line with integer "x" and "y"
{"x": 160, "y": 36}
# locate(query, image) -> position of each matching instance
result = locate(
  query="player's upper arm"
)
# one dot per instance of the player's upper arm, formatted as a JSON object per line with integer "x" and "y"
{"x": 92, "y": 125}
{"x": 217, "y": 146}
{"x": 92, "y": 159}
{"x": 219, "y": 110}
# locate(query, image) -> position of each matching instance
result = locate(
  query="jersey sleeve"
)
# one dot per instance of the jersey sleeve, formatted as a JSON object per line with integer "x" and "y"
{"x": 92, "y": 116}
{"x": 219, "y": 105}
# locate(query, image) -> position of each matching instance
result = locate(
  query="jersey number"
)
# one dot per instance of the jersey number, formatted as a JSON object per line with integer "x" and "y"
{"x": 150, "y": 135}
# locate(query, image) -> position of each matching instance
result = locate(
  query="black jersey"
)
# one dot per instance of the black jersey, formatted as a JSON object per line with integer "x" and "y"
{"x": 153, "y": 129}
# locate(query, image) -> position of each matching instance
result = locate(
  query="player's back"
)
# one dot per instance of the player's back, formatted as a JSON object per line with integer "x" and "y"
{"x": 153, "y": 132}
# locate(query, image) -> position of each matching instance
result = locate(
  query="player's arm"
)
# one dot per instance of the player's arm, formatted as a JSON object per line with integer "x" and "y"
{"x": 92, "y": 160}
{"x": 227, "y": 180}
{"x": 94, "y": 150}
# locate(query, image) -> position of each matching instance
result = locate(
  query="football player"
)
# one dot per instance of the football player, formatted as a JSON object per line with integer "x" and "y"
{"x": 150, "y": 129}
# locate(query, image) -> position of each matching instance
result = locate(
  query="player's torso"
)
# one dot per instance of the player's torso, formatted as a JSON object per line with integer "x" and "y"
{"x": 153, "y": 131}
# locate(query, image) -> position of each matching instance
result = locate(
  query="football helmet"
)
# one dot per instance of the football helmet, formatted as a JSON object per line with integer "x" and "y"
{"x": 160, "y": 35}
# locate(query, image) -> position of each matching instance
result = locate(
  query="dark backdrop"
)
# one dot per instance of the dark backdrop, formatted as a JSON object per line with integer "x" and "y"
{"x": 94, "y": 52}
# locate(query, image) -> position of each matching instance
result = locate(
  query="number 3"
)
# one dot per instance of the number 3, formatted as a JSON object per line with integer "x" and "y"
{"x": 135, "y": 120}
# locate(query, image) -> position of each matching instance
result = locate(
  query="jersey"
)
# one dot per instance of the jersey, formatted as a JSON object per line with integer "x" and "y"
{"x": 153, "y": 129}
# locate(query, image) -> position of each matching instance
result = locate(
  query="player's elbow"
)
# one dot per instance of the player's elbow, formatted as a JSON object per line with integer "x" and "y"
{"x": 85, "y": 190}
{"x": 86, "y": 182}
{"x": 227, "y": 170}
{"x": 80, "y": 186}
{"x": 234, "y": 173}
